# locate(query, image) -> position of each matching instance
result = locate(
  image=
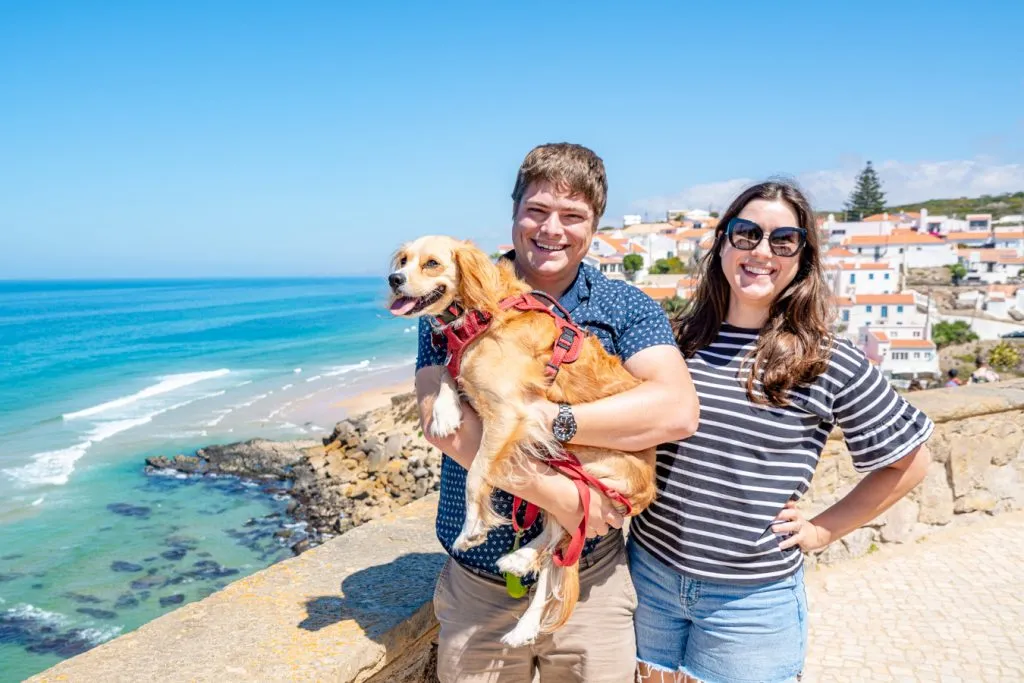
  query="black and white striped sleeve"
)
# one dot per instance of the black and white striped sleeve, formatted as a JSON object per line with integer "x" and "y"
{"x": 879, "y": 425}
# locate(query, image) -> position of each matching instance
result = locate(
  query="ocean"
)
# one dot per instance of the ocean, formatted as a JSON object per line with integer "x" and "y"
{"x": 95, "y": 376}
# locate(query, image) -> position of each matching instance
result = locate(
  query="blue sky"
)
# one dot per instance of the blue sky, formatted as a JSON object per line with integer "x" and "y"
{"x": 310, "y": 138}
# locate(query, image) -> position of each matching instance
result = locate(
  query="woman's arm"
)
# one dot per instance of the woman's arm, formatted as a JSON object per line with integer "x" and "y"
{"x": 872, "y": 496}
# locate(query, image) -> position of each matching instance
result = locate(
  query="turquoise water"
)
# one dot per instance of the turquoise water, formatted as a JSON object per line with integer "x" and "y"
{"x": 94, "y": 376}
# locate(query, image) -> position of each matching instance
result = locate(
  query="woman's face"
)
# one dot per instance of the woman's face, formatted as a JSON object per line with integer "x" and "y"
{"x": 757, "y": 277}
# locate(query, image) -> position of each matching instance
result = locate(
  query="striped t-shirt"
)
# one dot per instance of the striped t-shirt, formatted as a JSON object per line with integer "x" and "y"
{"x": 720, "y": 489}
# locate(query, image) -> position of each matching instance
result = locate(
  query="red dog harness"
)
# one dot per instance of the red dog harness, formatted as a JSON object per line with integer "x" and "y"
{"x": 567, "y": 345}
{"x": 566, "y": 350}
{"x": 570, "y": 466}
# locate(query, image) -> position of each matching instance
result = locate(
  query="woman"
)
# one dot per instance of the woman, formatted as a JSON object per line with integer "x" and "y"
{"x": 717, "y": 560}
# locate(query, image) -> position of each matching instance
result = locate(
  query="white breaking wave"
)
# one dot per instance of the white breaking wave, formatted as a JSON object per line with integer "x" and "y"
{"x": 287, "y": 386}
{"x": 343, "y": 369}
{"x": 55, "y": 467}
{"x": 50, "y": 467}
{"x": 314, "y": 378}
{"x": 297, "y": 370}
{"x": 26, "y": 611}
{"x": 166, "y": 384}
{"x": 249, "y": 403}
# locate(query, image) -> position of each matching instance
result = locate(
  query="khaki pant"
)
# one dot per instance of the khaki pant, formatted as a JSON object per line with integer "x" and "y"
{"x": 597, "y": 645}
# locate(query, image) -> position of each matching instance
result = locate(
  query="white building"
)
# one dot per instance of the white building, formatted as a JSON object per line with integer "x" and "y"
{"x": 847, "y": 278}
{"x": 993, "y": 266}
{"x": 860, "y": 312}
{"x": 902, "y": 358}
{"x": 904, "y": 248}
{"x": 979, "y": 222}
{"x": 632, "y": 219}
{"x": 1012, "y": 238}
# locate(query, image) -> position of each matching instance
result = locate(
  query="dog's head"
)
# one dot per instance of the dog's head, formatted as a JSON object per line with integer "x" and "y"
{"x": 430, "y": 273}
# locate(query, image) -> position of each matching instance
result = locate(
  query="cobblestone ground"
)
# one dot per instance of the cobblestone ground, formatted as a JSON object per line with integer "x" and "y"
{"x": 949, "y": 608}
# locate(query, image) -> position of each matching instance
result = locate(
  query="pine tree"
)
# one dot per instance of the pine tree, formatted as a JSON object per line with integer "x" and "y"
{"x": 867, "y": 197}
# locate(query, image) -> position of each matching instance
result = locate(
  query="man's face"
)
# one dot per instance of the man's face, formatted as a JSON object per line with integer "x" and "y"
{"x": 551, "y": 232}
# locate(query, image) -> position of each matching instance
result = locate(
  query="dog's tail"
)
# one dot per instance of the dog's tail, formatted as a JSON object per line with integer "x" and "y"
{"x": 566, "y": 588}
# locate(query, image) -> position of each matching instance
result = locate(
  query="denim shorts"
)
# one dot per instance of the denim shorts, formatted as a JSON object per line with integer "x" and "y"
{"x": 718, "y": 632}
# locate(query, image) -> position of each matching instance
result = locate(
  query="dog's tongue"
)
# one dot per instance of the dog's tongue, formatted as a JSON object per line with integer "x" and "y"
{"x": 402, "y": 305}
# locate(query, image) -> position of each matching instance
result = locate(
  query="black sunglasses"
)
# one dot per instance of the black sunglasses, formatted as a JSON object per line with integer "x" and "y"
{"x": 746, "y": 235}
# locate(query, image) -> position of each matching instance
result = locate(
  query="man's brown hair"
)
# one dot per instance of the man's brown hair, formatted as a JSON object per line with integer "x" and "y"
{"x": 571, "y": 168}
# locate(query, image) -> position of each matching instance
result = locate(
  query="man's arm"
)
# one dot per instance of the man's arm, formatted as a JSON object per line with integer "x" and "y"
{"x": 545, "y": 488}
{"x": 661, "y": 409}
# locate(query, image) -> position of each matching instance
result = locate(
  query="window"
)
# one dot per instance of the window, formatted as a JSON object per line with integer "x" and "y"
{"x": 871, "y": 276}
{"x": 927, "y": 355}
{"x": 885, "y": 311}
{"x": 916, "y": 333}
{"x": 853, "y": 277}
{"x": 899, "y": 309}
{"x": 846, "y": 315}
{"x": 917, "y": 355}
{"x": 887, "y": 276}
{"x": 868, "y": 308}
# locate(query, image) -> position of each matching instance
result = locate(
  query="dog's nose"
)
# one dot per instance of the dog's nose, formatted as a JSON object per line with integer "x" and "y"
{"x": 396, "y": 280}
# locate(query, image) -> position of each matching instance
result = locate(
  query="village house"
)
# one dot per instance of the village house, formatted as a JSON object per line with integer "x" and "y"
{"x": 902, "y": 358}
{"x": 905, "y": 249}
{"x": 992, "y": 266}
{"x": 861, "y": 311}
{"x": 847, "y": 278}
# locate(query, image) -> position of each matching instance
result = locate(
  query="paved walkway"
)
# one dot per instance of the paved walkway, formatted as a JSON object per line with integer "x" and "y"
{"x": 949, "y": 608}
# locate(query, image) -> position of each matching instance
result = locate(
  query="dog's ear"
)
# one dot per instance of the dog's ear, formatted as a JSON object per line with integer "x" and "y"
{"x": 480, "y": 285}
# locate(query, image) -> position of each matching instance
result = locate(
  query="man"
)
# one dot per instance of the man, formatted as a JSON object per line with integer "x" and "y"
{"x": 953, "y": 379}
{"x": 559, "y": 196}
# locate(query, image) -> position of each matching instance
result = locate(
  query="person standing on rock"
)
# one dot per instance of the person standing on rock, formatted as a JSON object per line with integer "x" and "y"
{"x": 559, "y": 196}
{"x": 717, "y": 560}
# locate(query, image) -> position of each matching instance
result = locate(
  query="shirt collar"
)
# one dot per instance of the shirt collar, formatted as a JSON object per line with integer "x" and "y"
{"x": 578, "y": 291}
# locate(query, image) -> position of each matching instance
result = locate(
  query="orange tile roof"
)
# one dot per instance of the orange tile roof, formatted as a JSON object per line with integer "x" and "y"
{"x": 637, "y": 249}
{"x": 880, "y": 265}
{"x": 1009, "y": 235}
{"x": 616, "y": 243}
{"x": 968, "y": 236}
{"x": 895, "y": 217}
{"x": 1009, "y": 290}
{"x": 879, "y": 335}
{"x": 617, "y": 258}
{"x": 838, "y": 252}
{"x": 691, "y": 234}
{"x": 503, "y": 248}
{"x": 874, "y": 299}
{"x": 992, "y": 255}
{"x": 912, "y": 344}
{"x": 658, "y": 293}
{"x": 900, "y": 238}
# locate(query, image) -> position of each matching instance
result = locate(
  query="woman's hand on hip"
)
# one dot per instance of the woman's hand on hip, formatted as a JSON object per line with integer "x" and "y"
{"x": 790, "y": 522}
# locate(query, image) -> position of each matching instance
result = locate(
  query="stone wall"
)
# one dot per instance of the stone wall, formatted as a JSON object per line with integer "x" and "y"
{"x": 977, "y": 469}
{"x": 358, "y": 608}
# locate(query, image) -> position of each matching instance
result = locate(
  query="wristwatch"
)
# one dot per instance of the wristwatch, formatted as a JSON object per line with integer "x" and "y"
{"x": 564, "y": 424}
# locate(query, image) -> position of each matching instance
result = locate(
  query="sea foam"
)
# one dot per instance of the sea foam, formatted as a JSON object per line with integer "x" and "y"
{"x": 166, "y": 384}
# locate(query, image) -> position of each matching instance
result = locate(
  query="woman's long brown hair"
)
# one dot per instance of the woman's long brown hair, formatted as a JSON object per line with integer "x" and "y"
{"x": 795, "y": 342}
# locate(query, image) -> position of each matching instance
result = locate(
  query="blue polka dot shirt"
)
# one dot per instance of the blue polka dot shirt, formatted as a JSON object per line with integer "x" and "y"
{"x": 625, "y": 321}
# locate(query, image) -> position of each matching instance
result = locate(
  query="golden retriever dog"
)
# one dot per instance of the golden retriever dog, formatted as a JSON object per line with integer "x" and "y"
{"x": 503, "y": 377}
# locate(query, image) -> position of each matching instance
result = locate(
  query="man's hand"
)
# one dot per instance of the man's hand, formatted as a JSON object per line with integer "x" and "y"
{"x": 603, "y": 516}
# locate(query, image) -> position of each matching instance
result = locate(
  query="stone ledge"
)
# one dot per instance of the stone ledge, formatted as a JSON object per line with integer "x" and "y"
{"x": 959, "y": 403}
{"x": 342, "y": 612}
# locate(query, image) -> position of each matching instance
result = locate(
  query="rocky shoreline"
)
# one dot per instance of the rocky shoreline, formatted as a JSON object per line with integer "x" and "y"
{"x": 369, "y": 465}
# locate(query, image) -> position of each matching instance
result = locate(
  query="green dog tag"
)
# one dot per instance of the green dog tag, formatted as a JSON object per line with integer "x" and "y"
{"x": 513, "y": 584}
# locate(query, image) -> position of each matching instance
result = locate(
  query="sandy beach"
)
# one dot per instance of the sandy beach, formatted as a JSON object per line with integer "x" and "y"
{"x": 373, "y": 398}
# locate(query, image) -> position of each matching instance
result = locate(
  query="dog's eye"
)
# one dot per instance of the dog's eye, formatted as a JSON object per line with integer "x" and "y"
{"x": 402, "y": 261}
{"x": 431, "y": 264}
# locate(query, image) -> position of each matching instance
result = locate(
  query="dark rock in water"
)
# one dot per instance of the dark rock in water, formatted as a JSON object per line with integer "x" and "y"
{"x": 125, "y": 601}
{"x": 151, "y": 559}
{"x": 121, "y": 566}
{"x": 203, "y": 554}
{"x": 152, "y": 570}
{"x": 186, "y": 542}
{"x": 147, "y": 582}
{"x": 302, "y": 546}
{"x": 129, "y": 510}
{"x": 81, "y": 598}
{"x": 37, "y": 632}
{"x": 143, "y": 596}
{"x": 15, "y": 556}
{"x": 174, "y": 554}
{"x": 37, "y": 586}
{"x": 256, "y": 459}
{"x": 5, "y": 577}
{"x": 172, "y": 600}
{"x": 97, "y": 613}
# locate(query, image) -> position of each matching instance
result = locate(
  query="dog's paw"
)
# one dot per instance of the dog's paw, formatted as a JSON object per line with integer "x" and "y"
{"x": 519, "y": 563}
{"x": 523, "y": 634}
{"x": 470, "y": 537}
{"x": 446, "y": 419}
